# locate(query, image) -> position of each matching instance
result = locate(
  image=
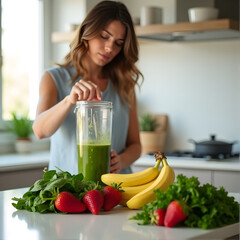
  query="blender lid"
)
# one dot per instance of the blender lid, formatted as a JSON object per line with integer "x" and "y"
{"x": 94, "y": 104}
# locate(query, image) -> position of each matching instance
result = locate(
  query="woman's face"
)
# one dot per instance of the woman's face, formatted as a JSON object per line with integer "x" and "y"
{"x": 109, "y": 42}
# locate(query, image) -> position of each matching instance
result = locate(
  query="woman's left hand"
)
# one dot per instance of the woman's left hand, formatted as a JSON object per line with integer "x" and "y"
{"x": 115, "y": 162}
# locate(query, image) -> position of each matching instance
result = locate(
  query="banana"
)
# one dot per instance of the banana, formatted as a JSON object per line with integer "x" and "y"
{"x": 132, "y": 179}
{"x": 164, "y": 179}
{"x": 129, "y": 192}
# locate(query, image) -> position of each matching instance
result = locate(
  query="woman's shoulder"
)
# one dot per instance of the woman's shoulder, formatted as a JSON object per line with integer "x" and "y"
{"x": 60, "y": 70}
{"x": 63, "y": 73}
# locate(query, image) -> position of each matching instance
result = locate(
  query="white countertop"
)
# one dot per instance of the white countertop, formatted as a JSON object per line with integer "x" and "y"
{"x": 86, "y": 226}
{"x": 11, "y": 162}
{"x": 231, "y": 164}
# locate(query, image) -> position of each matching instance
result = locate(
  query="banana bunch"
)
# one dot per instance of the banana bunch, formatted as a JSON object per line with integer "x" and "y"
{"x": 132, "y": 179}
{"x": 164, "y": 179}
{"x": 139, "y": 187}
{"x": 129, "y": 192}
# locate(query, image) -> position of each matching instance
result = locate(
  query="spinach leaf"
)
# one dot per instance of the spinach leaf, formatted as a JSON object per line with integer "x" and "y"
{"x": 42, "y": 194}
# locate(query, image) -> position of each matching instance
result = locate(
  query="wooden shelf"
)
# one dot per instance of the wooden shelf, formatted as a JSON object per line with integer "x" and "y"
{"x": 214, "y": 29}
{"x": 59, "y": 37}
{"x": 221, "y": 24}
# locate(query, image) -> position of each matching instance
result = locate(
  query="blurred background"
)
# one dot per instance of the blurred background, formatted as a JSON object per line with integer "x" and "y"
{"x": 195, "y": 83}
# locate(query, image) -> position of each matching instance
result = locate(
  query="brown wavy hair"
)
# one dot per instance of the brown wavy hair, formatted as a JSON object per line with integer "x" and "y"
{"x": 122, "y": 70}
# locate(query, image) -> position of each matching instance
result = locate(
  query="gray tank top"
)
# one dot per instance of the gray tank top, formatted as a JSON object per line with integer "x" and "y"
{"x": 63, "y": 151}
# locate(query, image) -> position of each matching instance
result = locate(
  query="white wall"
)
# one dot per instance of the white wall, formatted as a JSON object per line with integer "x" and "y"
{"x": 197, "y": 84}
{"x": 65, "y": 13}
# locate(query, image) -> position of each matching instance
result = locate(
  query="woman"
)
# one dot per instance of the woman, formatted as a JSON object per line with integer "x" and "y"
{"x": 99, "y": 66}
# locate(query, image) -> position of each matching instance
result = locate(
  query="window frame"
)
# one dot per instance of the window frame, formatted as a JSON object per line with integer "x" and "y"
{"x": 1, "y": 121}
{"x": 44, "y": 48}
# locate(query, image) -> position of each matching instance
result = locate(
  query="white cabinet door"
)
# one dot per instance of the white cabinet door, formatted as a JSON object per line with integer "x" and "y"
{"x": 204, "y": 176}
{"x": 230, "y": 180}
{"x": 20, "y": 178}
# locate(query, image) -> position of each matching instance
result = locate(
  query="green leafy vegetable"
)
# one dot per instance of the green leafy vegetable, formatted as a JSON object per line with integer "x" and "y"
{"x": 42, "y": 194}
{"x": 209, "y": 207}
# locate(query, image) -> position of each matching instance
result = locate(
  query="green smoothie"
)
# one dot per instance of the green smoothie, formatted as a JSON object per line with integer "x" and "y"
{"x": 93, "y": 161}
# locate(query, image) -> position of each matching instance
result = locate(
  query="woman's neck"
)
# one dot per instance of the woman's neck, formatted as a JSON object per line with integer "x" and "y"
{"x": 95, "y": 75}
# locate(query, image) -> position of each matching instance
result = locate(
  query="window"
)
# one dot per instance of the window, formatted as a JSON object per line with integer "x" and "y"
{"x": 21, "y": 56}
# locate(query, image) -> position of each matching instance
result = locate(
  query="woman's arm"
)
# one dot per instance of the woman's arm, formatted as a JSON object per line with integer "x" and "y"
{"x": 50, "y": 114}
{"x": 133, "y": 149}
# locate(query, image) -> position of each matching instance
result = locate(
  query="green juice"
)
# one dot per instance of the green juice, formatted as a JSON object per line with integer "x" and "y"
{"x": 93, "y": 161}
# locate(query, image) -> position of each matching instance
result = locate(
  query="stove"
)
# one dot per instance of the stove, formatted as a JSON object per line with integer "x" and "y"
{"x": 189, "y": 154}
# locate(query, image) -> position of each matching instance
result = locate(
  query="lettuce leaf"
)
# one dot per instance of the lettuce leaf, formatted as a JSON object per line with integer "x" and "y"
{"x": 209, "y": 207}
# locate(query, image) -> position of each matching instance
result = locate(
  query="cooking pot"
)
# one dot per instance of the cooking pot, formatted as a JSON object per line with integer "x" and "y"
{"x": 212, "y": 147}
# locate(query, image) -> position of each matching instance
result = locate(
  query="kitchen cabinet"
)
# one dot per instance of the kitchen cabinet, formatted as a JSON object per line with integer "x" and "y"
{"x": 204, "y": 176}
{"x": 229, "y": 180}
{"x": 20, "y": 178}
{"x": 22, "y": 170}
{"x": 225, "y": 173}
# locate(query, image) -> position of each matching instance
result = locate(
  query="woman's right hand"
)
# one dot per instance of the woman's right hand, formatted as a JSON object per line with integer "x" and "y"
{"x": 85, "y": 91}
{"x": 51, "y": 113}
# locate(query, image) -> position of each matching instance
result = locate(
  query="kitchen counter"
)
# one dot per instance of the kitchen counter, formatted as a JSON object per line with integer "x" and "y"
{"x": 229, "y": 164}
{"x": 10, "y": 162}
{"x": 28, "y": 168}
{"x": 23, "y": 161}
{"x": 21, "y": 170}
{"x": 220, "y": 173}
{"x": 107, "y": 225}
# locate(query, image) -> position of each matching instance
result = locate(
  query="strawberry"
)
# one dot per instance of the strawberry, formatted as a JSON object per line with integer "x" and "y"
{"x": 66, "y": 202}
{"x": 158, "y": 217}
{"x": 94, "y": 199}
{"x": 112, "y": 196}
{"x": 176, "y": 213}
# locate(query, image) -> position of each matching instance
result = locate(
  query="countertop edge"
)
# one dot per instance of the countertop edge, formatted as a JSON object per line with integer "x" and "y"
{"x": 23, "y": 167}
{"x": 185, "y": 163}
{"x": 15, "y": 162}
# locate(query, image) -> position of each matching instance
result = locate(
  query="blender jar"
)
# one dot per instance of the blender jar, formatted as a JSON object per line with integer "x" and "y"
{"x": 94, "y": 132}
